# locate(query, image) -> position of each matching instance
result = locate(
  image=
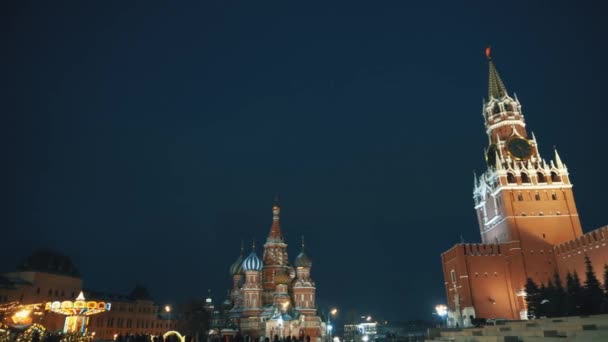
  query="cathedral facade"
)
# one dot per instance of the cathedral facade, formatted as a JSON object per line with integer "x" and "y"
{"x": 271, "y": 297}
{"x": 527, "y": 216}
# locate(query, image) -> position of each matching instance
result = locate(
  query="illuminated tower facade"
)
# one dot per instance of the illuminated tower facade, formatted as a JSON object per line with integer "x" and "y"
{"x": 252, "y": 288}
{"x": 275, "y": 256}
{"x": 304, "y": 287}
{"x": 521, "y": 196}
{"x": 528, "y": 222}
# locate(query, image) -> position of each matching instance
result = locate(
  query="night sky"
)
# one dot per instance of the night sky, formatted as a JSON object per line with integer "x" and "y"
{"x": 146, "y": 139}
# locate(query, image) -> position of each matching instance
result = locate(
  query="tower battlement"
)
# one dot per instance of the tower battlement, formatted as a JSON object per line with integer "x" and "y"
{"x": 586, "y": 242}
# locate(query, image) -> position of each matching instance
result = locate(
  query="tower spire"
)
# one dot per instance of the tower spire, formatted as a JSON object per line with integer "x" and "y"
{"x": 275, "y": 234}
{"x": 558, "y": 160}
{"x": 496, "y": 88}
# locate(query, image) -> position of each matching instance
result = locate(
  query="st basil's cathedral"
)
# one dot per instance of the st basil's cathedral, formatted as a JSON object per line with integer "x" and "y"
{"x": 269, "y": 296}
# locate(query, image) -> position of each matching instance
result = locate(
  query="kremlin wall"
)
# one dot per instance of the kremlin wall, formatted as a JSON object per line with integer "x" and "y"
{"x": 528, "y": 221}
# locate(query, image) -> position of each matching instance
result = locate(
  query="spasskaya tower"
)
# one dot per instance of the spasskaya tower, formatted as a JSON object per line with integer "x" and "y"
{"x": 521, "y": 196}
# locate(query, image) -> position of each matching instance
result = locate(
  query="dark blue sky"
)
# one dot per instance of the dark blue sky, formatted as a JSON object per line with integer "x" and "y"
{"x": 145, "y": 139}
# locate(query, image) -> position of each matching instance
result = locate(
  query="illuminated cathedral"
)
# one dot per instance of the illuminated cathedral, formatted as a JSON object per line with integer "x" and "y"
{"x": 269, "y": 296}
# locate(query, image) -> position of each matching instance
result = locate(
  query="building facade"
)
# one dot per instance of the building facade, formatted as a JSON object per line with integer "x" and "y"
{"x": 47, "y": 276}
{"x": 527, "y": 216}
{"x": 269, "y": 296}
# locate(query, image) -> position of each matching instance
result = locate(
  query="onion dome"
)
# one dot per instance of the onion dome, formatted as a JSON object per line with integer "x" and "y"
{"x": 302, "y": 260}
{"x": 282, "y": 278}
{"x": 237, "y": 266}
{"x": 252, "y": 263}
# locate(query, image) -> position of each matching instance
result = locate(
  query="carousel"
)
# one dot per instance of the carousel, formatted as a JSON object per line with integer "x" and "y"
{"x": 77, "y": 312}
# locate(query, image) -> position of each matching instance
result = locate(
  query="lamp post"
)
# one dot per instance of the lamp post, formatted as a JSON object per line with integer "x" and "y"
{"x": 168, "y": 310}
{"x": 330, "y": 328}
{"x": 442, "y": 311}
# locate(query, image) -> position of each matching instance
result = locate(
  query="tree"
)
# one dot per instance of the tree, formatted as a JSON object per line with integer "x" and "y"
{"x": 550, "y": 300}
{"x": 573, "y": 294}
{"x": 532, "y": 298}
{"x": 559, "y": 296}
{"x": 593, "y": 295}
{"x": 541, "y": 310}
{"x": 196, "y": 319}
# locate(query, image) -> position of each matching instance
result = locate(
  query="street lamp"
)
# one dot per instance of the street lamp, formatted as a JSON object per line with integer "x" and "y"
{"x": 332, "y": 312}
{"x": 442, "y": 311}
{"x": 168, "y": 310}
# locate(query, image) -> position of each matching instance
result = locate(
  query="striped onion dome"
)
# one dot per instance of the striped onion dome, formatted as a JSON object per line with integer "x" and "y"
{"x": 252, "y": 263}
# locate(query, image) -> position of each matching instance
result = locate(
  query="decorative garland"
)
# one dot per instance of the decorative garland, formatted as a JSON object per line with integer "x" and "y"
{"x": 28, "y": 334}
{"x": 5, "y": 334}
{"x": 76, "y": 337}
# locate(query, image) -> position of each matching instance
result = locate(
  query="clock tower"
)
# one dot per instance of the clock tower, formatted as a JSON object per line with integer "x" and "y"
{"x": 521, "y": 196}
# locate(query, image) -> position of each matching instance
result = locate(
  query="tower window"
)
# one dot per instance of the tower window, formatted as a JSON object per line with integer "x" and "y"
{"x": 554, "y": 196}
{"x": 508, "y": 107}
{"x": 540, "y": 177}
{"x": 537, "y": 196}
{"x": 496, "y": 109}
{"x": 520, "y": 197}
{"x": 555, "y": 177}
{"x": 525, "y": 178}
{"x": 453, "y": 274}
{"x": 511, "y": 178}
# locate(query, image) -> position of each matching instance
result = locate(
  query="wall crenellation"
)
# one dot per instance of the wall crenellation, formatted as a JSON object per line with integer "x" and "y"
{"x": 582, "y": 243}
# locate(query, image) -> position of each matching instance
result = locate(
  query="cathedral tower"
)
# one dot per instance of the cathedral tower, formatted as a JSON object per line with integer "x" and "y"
{"x": 275, "y": 256}
{"x": 304, "y": 288}
{"x": 252, "y": 288}
{"x": 236, "y": 271}
{"x": 521, "y": 196}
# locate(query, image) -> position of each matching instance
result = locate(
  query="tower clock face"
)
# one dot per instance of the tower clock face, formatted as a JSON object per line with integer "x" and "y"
{"x": 519, "y": 148}
{"x": 491, "y": 155}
